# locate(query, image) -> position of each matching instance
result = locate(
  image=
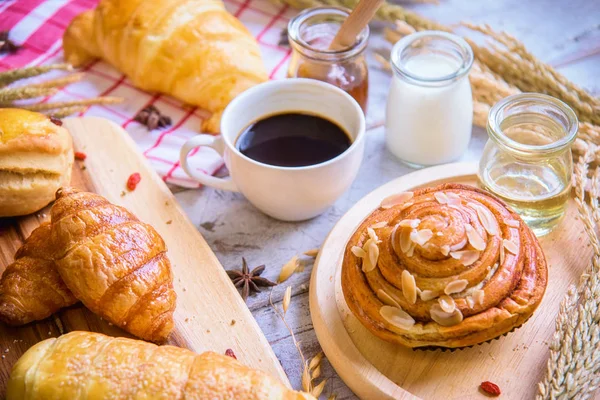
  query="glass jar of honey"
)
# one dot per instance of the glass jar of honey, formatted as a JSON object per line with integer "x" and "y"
{"x": 310, "y": 34}
{"x": 527, "y": 160}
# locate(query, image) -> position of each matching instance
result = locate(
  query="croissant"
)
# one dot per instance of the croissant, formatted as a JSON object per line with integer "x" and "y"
{"x": 449, "y": 266}
{"x": 116, "y": 265}
{"x": 83, "y": 365}
{"x": 31, "y": 288}
{"x": 193, "y": 50}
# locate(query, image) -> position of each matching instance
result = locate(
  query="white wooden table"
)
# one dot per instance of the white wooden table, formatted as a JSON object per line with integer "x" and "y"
{"x": 564, "y": 33}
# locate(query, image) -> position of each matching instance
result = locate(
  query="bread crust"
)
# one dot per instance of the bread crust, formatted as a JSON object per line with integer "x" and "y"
{"x": 36, "y": 158}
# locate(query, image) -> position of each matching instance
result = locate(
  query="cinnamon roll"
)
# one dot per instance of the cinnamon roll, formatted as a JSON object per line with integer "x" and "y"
{"x": 449, "y": 266}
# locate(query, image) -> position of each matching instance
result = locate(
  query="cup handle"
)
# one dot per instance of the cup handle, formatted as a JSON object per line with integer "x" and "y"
{"x": 216, "y": 142}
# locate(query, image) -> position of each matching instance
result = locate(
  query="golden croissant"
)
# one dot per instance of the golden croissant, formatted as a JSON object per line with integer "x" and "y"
{"x": 193, "y": 50}
{"x": 31, "y": 288}
{"x": 116, "y": 265}
{"x": 83, "y": 365}
{"x": 447, "y": 266}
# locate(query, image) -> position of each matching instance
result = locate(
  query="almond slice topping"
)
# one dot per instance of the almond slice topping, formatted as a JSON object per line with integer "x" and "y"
{"x": 513, "y": 223}
{"x": 487, "y": 219}
{"x": 453, "y": 200}
{"x": 427, "y": 295}
{"x": 409, "y": 287}
{"x": 411, "y": 250}
{"x": 510, "y": 246}
{"x": 466, "y": 257}
{"x": 478, "y": 296}
{"x": 358, "y": 252}
{"x": 441, "y": 197}
{"x": 406, "y": 205}
{"x": 445, "y": 249}
{"x": 502, "y": 255}
{"x": 405, "y": 242}
{"x": 470, "y": 301}
{"x": 447, "y": 303}
{"x": 475, "y": 238}
{"x": 456, "y": 286}
{"x": 387, "y": 299}
{"x": 373, "y": 253}
{"x": 443, "y": 318}
{"x": 397, "y": 317}
{"x": 421, "y": 237}
{"x": 409, "y": 223}
{"x": 372, "y": 234}
{"x": 379, "y": 225}
{"x": 396, "y": 199}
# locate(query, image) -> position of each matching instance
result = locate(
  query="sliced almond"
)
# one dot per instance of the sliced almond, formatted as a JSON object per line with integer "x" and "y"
{"x": 411, "y": 250}
{"x": 475, "y": 238}
{"x": 441, "y": 197}
{"x": 405, "y": 242}
{"x": 466, "y": 257}
{"x": 421, "y": 236}
{"x": 502, "y": 255}
{"x": 439, "y": 233}
{"x": 396, "y": 199}
{"x": 513, "y": 223}
{"x": 443, "y": 318}
{"x": 373, "y": 256}
{"x": 447, "y": 303}
{"x": 379, "y": 225}
{"x": 409, "y": 223}
{"x": 445, "y": 249}
{"x": 406, "y": 205}
{"x": 470, "y": 301}
{"x": 372, "y": 234}
{"x": 358, "y": 252}
{"x": 409, "y": 287}
{"x": 510, "y": 246}
{"x": 387, "y": 299}
{"x": 453, "y": 200}
{"x": 397, "y": 317}
{"x": 478, "y": 296}
{"x": 456, "y": 286}
{"x": 427, "y": 295}
{"x": 487, "y": 219}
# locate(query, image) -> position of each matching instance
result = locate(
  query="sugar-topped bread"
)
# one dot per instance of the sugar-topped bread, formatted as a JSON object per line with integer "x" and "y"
{"x": 36, "y": 157}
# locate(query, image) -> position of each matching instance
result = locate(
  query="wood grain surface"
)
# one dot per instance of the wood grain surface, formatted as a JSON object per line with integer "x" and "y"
{"x": 210, "y": 314}
{"x": 375, "y": 369}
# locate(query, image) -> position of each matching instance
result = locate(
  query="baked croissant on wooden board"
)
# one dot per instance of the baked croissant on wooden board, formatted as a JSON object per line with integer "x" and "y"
{"x": 83, "y": 365}
{"x": 31, "y": 288}
{"x": 193, "y": 50}
{"x": 114, "y": 263}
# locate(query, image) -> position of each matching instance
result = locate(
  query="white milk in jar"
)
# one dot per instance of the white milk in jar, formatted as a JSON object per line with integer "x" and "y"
{"x": 429, "y": 109}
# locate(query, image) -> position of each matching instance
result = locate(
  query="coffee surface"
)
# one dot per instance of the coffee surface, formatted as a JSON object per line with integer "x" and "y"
{"x": 293, "y": 140}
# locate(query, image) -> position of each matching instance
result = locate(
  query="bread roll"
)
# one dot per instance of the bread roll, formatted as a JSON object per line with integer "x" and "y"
{"x": 36, "y": 157}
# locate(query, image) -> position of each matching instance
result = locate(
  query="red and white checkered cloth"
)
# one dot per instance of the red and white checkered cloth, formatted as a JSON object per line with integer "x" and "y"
{"x": 38, "y": 26}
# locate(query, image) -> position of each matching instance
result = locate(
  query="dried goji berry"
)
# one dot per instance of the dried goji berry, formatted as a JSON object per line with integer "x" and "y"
{"x": 133, "y": 181}
{"x": 80, "y": 155}
{"x": 230, "y": 353}
{"x": 490, "y": 389}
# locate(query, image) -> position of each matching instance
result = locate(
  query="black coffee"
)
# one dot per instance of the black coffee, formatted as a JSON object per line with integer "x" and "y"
{"x": 293, "y": 140}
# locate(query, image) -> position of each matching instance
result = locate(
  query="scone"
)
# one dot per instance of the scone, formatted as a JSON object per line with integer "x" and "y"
{"x": 449, "y": 266}
{"x": 36, "y": 157}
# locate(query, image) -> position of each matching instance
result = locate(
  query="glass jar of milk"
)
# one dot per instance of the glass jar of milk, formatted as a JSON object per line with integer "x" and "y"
{"x": 429, "y": 109}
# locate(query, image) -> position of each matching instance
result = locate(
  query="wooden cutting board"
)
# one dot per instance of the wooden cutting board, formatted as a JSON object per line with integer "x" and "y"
{"x": 375, "y": 369}
{"x": 210, "y": 313}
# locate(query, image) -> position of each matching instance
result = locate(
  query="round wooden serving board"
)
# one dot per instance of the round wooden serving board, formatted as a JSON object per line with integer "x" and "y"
{"x": 375, "y": 369}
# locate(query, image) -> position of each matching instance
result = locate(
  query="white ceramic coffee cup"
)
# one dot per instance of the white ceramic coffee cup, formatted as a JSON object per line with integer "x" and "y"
{"x": 286, "y": 193}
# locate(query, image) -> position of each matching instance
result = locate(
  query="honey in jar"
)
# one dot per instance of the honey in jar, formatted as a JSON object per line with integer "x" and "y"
{"x": 310, "y": 35}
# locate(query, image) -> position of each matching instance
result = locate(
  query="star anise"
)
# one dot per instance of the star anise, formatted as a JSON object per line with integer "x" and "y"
{"x": 6, "y": 45}
{"x": 152, "y": 118}
{"x": 249, "y": 281}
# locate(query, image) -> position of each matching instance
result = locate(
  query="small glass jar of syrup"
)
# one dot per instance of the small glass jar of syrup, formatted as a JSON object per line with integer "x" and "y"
{"x": 310, "y": 34}
{"x": 527, "y": 160}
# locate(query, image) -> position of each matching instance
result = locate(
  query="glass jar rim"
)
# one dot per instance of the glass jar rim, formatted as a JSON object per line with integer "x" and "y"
{"x": 297, "y": 41}
{"x": 496, "y": 116}
{"x": 465, "y": 50}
